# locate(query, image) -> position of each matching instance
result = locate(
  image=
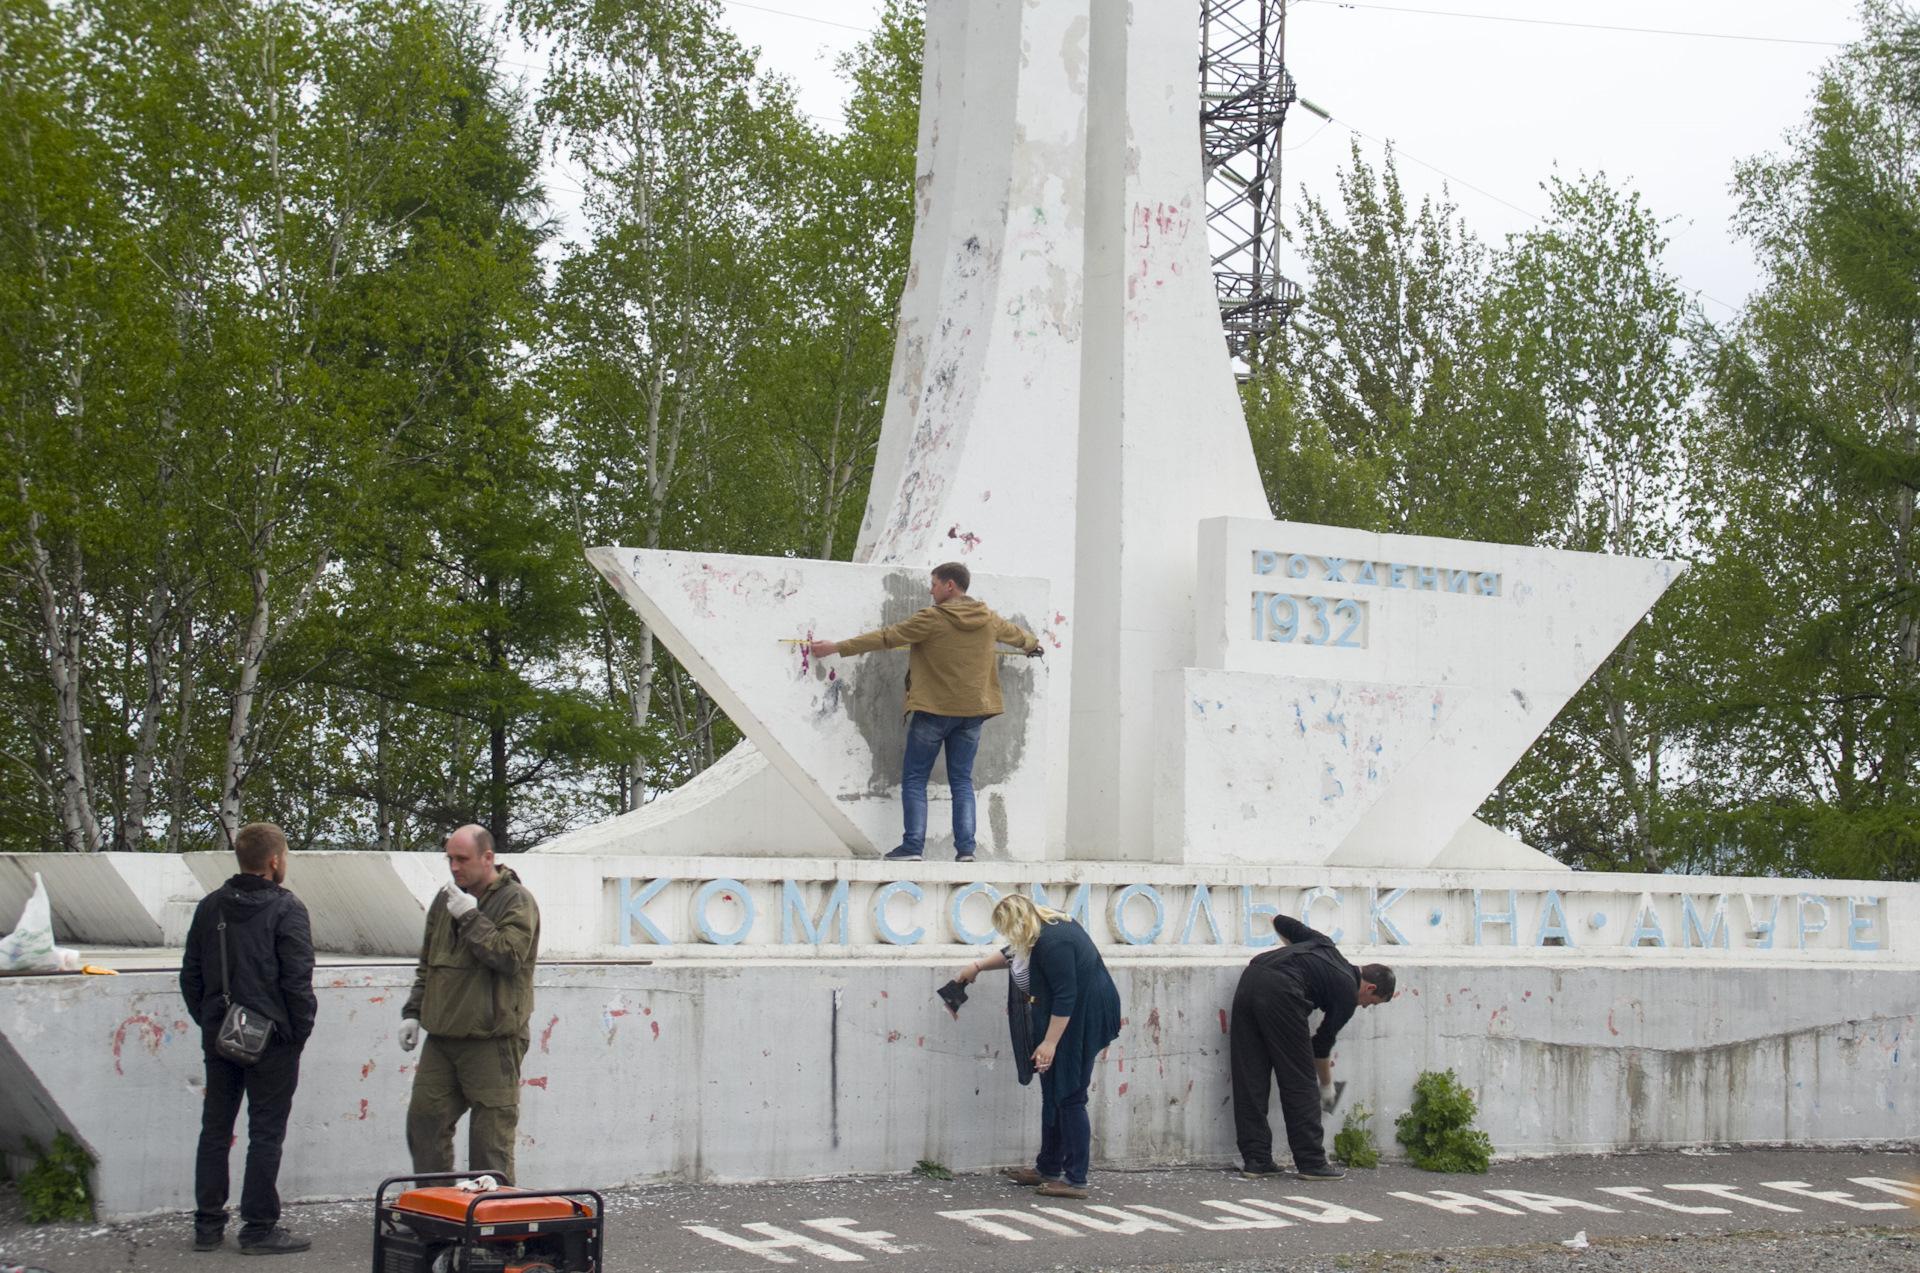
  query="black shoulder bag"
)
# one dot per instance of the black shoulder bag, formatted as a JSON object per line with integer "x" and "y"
{"x": 244, "y": 1032}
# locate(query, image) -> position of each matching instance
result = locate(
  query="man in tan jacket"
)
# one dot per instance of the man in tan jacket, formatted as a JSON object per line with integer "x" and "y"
{"x": 473, "y": 995}
{"x": 953, "y": 685}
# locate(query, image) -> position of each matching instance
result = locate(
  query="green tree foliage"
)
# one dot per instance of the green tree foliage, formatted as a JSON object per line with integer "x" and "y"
{"x": 59, "y": 1185}
{"x": 1804, "y": 685}
{"x": 1438, "y": 1132}
{"x": 307, "y": 420}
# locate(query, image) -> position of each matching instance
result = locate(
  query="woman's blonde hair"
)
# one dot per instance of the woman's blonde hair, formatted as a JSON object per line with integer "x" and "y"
{"x": 1018, "y": 917}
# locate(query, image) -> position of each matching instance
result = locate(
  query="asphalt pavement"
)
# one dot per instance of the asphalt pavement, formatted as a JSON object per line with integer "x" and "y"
{"x": 1625, "y": 1212}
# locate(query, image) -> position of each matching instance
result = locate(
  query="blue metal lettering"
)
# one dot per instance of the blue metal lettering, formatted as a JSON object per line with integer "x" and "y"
{"x": 1250, "y": 909}
{"x": 1826, "y": 912}
{"x": 1691, "y": 925}
{"x": 1202, "y": 904}
{"x": 631, "y": 912}
{"x": 1265, "y": 563}
{"x": 1553, "y": 920}
{"x": 1322, "y": 895}
{"x": 1457, "y": 580}
{"x": 1396, "y": 575}
{"x": 1367, "y": 575}
{"x": 1510, "y": 917}
{"x": 706, "y": 929}
{"x": 1334, "y": 566}
{"x": 883, "y": 895}
{"x": 1857, "y": 923}
{"x": 1119, "y": 911}
{"x": 1076, "y": 909}
{"x": 1646, "y": 923}
{"x": 1298, "y": 566}
{"x": 1428, "y": 579}
{"x": 1489, "y": 584}
{"x": 960, "y": 895}
{"x": 1377, "y": 917}
{"x": 793, "y": 902}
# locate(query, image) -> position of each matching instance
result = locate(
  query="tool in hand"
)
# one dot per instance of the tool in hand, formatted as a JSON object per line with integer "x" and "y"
{"x": 953, "y": 994}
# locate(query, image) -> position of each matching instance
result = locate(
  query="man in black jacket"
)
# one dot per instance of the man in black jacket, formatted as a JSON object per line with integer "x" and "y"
{"x": 269, "y": 962}
{"x": 1269, "y": 1036}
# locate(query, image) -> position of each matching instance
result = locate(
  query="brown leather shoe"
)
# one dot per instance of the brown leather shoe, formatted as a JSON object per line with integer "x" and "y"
{"x": 1060, "y": 1189}
{"x": 1023, "y": 1176}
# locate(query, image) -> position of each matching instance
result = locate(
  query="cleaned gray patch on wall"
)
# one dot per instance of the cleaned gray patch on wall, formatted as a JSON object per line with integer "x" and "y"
{"x": 877, "y": 692}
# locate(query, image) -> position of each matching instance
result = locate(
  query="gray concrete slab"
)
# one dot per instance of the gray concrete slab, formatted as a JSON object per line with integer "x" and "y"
{"x": 1172, "y": 1218}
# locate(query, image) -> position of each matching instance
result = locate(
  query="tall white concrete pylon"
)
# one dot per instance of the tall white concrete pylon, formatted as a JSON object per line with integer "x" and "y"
{"x": 833, "y": 730}
{"x": 1163, "y": 441}
{"x": 978, "y": 449}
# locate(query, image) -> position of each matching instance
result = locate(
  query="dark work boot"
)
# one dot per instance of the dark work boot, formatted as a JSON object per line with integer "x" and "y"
{"x": 205, "y": 1239}
{"x": 1261, "y": 1170}
{"x": 277, "y": 1241}
{"x": 1325, "y": 1171}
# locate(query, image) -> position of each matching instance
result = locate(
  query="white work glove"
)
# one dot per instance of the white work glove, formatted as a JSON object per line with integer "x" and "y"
{"x": 409, "y": 1035}
{"x": 478, "y": 1184}
{"x": 459, "y": 901}
{"x": 1328, "y": 1096}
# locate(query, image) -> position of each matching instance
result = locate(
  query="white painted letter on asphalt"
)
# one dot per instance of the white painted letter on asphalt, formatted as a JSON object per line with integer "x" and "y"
{"x": 1641, "y": 1193}
{"x": 1548, "y": 1204}
{"x": 1806, "y": 1190}
{"x": 1732, "y": 1194}
{"x": 778, "y": 1242}
{"x": 1460, "y": 1204}
{"x": 981, "y": 1218}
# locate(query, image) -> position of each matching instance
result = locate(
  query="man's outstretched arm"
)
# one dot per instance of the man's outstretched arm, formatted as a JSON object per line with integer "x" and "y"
{"x": 892, "y": 637}
{"x": 1018, "y": 637}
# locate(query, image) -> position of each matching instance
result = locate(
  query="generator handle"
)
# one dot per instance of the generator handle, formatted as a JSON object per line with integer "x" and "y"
{"x": 571, "y": 1195}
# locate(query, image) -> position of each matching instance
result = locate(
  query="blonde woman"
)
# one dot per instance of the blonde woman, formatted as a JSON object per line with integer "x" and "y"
{"x": 1057, "y": 978}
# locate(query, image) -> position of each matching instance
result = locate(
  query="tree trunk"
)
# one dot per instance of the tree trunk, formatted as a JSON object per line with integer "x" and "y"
{"x": 239, "y": 719}
{"x": 61, "y": 638}
{"x": 182, "y": 735}
{"x": 133, "y": 832}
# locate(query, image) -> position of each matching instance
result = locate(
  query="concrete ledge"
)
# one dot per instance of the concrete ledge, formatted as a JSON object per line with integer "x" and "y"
{"x": 780, "y": 1069}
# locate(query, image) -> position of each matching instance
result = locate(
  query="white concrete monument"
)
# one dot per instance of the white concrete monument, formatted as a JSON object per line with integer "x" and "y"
{"x": 1062, "y": 408}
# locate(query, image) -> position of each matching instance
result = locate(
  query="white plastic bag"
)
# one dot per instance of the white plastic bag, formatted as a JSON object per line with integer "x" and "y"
{"x": 29, "y": 947}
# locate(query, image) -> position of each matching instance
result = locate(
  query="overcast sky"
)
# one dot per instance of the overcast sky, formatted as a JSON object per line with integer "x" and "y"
{"x": 1495, "y": 105}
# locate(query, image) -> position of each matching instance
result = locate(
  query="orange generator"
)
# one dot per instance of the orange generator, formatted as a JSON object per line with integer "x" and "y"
{"x": 436, "y": 1227}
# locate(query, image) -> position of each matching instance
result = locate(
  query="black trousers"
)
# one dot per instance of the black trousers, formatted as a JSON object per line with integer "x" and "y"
{"x": 268, "y": 1088}
{"x": 1269, "y": 1038}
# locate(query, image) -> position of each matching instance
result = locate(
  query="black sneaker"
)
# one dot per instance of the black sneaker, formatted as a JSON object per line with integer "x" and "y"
{"x": 1260, "y": 1171}
{"x": 901, "y": 854}
{"x": 963, "y": 857}
{"x": 276, "y": 1242}
{"x": 1325, "y": 1171}
{"x": 208, "y": 1239}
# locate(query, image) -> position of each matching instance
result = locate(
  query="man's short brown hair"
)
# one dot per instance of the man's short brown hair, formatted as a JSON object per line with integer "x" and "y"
{"x": 257, "y": 844}
{"x": 954, "y": 573}
{"x": 1381, "y": 978}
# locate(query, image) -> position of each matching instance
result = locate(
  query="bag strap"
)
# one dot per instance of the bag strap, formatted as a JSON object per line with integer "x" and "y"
{"x": 226, "y": 970}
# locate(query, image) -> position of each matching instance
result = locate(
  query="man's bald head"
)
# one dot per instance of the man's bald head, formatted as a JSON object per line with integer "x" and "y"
{"x": 470, "y": 858}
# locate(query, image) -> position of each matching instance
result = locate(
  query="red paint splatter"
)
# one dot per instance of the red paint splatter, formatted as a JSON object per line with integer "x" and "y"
{"x": 1121, "y": 1053}
{"x": 618, "y": 1012}
{"x": 547, "y": 1034}
{"x": 923, "y": 1040}
{"x": 366, "y": 1070}
{"x": 883, "y": 994}
{"x": 540, "y": 1083}
{"x": 1123, "y": 1089}
{"x": 363, "y": 1111}
{"x": 893, "y": 1036}
{"x": 1153, "y": 1026}
{"x": 1223, "y": 1020}
{"x": 646, "y": 1012}
{"x": 656, "y": 1029}
{"x": 149, "y": 1032}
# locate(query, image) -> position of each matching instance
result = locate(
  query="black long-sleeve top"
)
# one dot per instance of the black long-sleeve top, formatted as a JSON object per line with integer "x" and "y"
{"x": 1325, "y": 978}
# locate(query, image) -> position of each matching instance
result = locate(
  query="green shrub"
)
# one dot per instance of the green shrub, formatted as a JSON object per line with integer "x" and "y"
{"x": 1438, "y": 1131}
{"x": 59, "y": 1185}
{"x": 1354, "y": 1146}
{"x": 932, "y": 1170}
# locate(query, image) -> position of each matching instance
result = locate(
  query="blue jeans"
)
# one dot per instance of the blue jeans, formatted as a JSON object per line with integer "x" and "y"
{"x": 1066, "y": 1135}
{"x": 926, "y": 735}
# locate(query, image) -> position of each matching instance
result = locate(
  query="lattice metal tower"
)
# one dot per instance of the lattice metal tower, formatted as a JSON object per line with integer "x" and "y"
{"x": 1244, "y": 94}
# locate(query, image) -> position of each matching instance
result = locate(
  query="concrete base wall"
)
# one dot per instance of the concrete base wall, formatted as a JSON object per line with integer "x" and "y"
{"x": 757, "y": 1070}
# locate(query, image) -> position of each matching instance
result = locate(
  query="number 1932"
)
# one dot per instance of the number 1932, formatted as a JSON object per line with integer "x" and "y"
{"x": 1313, "y": 620}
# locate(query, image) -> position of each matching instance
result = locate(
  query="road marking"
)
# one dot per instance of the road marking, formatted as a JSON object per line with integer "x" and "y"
{"x": 872, "y": 1239}
{"x": 1247, "y": 1213}
{"x": 1898, "y": 1188}
{"x": 1732, "y": 1194}
{"x": 1460, "y": 1204}
{"x": 1128, "y": 1224}
{"x": 1550, "y": 1204}
{"x": 1212, "y": 1226}
{"x": 982, "y": 1218}
{"x": 778, "y": 1241}
{"x": 1806, "y": 1190}
{"x": 1329, "y": 1213}
{"x": 1641, "y": 1193}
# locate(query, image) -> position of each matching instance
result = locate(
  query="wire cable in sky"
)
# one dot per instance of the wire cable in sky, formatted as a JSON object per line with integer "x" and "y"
{"x": 1583, "y": 26}
{"x": 804, "y": 17}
